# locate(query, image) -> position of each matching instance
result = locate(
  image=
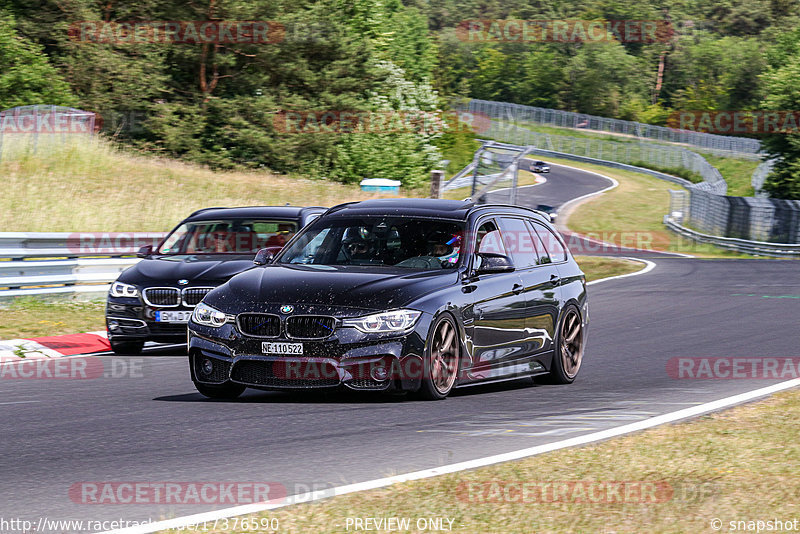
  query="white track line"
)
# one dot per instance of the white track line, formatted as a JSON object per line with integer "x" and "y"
{"x": 462, "y": 466}
{"x": 649, "y": 266}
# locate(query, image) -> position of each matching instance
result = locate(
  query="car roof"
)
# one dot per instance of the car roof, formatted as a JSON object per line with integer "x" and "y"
{"x": 252, "y": 212}
{"x": 409, "y": 207}
{"x": 423, "y": 207}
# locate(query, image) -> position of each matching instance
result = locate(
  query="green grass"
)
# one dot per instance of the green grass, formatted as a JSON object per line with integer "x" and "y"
{"x": 632, "y": 214}
{"x": 33, "y": 317}
{"x": 737, "y": 172}
{"x": 739, "y": 464}
{"x": 523, "y": 178}
{"x": 596, "y": 267}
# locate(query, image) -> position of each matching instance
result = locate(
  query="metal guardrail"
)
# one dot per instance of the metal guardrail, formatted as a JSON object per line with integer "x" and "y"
{"x": 517, "y": 114}
{"x": 757, "y": 248}
{"x": 66, "y": 263}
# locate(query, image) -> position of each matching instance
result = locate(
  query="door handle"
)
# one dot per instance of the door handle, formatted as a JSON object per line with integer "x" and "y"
{"x": 554, "y": 278}
{"x": 517, "y": 289}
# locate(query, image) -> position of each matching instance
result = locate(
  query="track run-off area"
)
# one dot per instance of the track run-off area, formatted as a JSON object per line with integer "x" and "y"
{"x": 658, "y": 342}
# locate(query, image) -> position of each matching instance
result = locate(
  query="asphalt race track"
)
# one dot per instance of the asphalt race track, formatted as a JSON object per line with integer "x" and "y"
{"x": 153, "y": 426}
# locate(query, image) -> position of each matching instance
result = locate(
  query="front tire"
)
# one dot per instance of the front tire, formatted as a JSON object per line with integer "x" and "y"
{"x": 228, "y": 390}
{"x": 568, "y": 354}
{"x": 126, "y": 348}
{"x": 442, "y": 360}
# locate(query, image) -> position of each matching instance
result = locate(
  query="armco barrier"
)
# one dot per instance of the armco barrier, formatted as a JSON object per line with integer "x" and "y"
{"x": 758, "y": 248}
{"x": 66, "y": 263}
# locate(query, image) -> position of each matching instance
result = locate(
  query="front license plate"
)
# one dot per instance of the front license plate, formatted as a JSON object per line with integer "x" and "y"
{"x": 293, "y": 349}
{"x": 173, "y": 316}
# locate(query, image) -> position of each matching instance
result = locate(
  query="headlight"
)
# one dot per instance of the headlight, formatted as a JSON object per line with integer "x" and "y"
{"x": 393, "y": 321}
{"x": 118, "y": 289}
{"x": 208, "y": 316}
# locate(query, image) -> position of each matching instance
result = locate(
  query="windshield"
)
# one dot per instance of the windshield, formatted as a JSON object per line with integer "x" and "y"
{"x": 413, "y": 243}
{"x": 232, "y": 236}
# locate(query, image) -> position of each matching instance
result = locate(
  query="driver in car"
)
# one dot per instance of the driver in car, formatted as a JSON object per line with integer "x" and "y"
{"x": 444, "y": 247}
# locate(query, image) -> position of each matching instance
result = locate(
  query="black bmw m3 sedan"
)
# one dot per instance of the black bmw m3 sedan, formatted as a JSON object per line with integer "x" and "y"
{"x": 415, "y": 295}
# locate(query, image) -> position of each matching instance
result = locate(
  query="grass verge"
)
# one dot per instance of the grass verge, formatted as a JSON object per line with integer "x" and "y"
{"x": 89, "y": 185}
{"x": 736, "y": 465}
{"x": 632, "y": 214}
{"x": 523, "y": 178}
{"x": 596, "y": 267}
{"x": 33, "y": 317}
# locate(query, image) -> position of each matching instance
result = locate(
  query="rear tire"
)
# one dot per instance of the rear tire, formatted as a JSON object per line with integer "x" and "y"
{"x": 441, "y": 361}
{"x": 228, "y": 390}
{"x": 126, "y": 348}
{"x": 568, "y": 354}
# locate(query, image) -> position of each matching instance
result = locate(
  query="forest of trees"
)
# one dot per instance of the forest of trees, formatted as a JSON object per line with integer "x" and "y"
{"x": 215, "y": 103}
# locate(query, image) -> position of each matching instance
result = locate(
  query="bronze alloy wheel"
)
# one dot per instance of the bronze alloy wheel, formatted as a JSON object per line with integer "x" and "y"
{"x": 571, "y": 346}
{"x": 443, "y": 358}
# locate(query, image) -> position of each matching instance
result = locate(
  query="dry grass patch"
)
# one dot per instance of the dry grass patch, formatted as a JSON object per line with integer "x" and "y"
{"x": 89, "y": 185}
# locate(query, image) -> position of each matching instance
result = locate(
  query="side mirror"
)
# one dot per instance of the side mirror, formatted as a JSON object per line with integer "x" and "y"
{"x": 145, "y": 252}
{"x": 494, "y": 263}
{"x": 265, "y": 255}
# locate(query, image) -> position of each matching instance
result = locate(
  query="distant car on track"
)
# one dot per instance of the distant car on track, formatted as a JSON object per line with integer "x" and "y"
{"x": 153, "y": 300}
{"x": 397, "y": 294}
{"x": 540, "y": 166}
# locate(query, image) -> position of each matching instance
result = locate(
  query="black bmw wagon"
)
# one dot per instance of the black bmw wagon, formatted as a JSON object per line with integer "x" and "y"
{"x": 414, "y": 295}
{"x": 153, "y": 300}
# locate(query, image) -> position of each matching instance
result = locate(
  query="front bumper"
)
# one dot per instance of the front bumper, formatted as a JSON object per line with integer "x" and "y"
{"x": 347, "y": 359}
{"x": 128, "y": 319}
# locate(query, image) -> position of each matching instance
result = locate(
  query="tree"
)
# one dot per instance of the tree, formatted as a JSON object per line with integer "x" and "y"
{"x": 26, "y": 76}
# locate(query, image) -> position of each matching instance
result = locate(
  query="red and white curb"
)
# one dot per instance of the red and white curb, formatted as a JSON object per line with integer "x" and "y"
{"x": 53, "y": 346}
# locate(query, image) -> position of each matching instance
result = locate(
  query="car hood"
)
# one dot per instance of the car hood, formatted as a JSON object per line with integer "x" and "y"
{"x": 194, "y": 268}
{"x": 366, "y": 288}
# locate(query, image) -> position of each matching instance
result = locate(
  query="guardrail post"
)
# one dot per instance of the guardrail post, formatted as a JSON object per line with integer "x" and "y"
{"x": 437, "y": 177}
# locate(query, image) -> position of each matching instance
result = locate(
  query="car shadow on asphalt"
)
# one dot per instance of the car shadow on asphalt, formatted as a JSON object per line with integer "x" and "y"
{"x": 348, "y": 397}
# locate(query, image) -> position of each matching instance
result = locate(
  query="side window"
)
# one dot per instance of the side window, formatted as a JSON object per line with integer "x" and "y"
{"x": 554, "y": 250}
{"x": 488, "y": 241}
{"x": 519, "y": 242}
